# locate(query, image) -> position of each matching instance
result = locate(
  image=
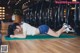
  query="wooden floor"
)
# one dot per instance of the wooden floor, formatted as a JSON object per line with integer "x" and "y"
{"x": 71, "y": 45}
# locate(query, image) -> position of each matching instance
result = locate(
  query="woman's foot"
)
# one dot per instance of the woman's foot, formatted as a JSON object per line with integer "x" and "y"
{"x": 71, "y": 29}
{"x": 68, "y": 28}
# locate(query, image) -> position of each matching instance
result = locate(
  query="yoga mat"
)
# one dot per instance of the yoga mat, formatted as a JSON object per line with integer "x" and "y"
{"x": 41, "y": 36}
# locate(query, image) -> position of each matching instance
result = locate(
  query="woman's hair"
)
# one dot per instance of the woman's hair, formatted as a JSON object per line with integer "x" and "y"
{"x": 11, "y": 29}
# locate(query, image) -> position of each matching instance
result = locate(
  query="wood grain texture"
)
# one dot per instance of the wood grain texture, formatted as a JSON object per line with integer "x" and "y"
{"x": 68, "y": 45}
{"x": 71, "y": 45}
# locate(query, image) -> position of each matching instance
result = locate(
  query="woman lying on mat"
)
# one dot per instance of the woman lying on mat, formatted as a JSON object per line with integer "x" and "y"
{"x": 21, "y": 31}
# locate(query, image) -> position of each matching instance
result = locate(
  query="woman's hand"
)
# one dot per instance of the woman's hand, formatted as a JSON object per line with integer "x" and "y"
{"x": 12, "y": 36}
{"x": 18, "y": 36}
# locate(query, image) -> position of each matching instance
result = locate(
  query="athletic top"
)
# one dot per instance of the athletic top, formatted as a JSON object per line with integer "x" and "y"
{"x": 28, "y": 29}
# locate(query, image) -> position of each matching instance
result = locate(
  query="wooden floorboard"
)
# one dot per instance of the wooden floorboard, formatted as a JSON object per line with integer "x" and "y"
{"x": 69, "y": 45}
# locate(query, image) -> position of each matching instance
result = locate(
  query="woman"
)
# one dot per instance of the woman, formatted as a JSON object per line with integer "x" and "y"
{"x": 22, "y": 30}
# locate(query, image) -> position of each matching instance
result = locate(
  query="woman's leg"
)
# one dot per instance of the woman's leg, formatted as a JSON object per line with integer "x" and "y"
{"x": 57, "y": 33}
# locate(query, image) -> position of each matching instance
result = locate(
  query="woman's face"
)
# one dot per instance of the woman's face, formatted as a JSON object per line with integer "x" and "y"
{"x": 18, "y": 28}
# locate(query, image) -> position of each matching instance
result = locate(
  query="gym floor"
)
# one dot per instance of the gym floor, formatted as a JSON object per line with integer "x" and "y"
{"x": 69, "y": 45}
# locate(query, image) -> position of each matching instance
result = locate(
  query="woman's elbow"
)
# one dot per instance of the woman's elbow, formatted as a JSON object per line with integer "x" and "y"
{"x": 11, "y": 36}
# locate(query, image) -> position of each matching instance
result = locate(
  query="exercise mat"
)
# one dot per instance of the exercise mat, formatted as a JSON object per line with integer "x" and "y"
{"x": 41, "y": 36}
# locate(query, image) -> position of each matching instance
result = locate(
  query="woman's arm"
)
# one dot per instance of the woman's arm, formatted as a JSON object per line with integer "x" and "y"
{"x": 18, "y": 36}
